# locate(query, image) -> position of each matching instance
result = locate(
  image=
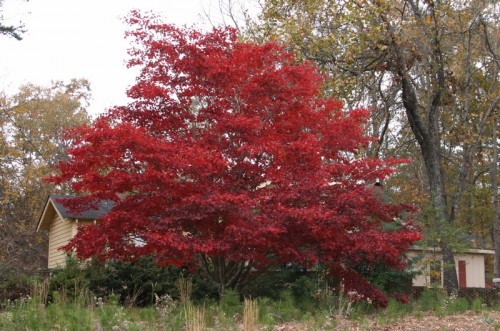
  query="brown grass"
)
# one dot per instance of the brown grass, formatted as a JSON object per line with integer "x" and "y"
{"x": 250, "y": 315}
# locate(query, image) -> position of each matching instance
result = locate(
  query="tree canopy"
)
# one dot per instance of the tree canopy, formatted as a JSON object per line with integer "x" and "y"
{"x": 230, "y": 159}
{"x": 431, "y": 69}
{"x": 10, "y": 30}
{"x": 32, "y": 123}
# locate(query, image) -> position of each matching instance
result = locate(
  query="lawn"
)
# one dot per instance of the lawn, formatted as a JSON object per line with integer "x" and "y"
{"x": 433, "y": 311}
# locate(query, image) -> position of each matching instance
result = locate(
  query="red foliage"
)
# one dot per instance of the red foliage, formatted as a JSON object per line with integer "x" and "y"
{"x": 401, "y": 297}
{"x": 356, "y": 288}
{"x": 229, "y": 149}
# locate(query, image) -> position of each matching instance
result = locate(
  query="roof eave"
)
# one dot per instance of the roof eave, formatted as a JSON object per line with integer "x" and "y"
{"x": 465, "y": 251}
{"x": 44, "y": 221}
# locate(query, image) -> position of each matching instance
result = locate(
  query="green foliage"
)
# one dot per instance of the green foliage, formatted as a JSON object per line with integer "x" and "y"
{"x": 202, "y": 289}
{"x": 231, "y": 303}
{"x": 68, "y": 281}
{"x": 394, "y": 311}
{"x": 266, "y": 284}
{"x": 13, "y": 286}
{"x": 389, "y": 280}
{"x": 362, "y": 309}
{"x": 431, "y": 299}
{"x": 305, "y": 290}
{"x": 477, "y": 305}
{"x": 396, "y": 308}
{"x": 454, "y": 234}
{"x": 458, "y": 306}
{"x": 304, "y": 284}
{"x": 66, "y": 313}
{"x": 285, "y": 307}
{"x": 132, "y": 284}
{"x": 266, "y": 313}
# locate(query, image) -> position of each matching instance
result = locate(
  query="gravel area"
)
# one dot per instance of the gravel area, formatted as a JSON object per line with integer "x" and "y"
{"x": 469, "y": 321}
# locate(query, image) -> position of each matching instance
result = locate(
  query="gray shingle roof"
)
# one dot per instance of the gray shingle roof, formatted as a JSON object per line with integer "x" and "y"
{"x": 104, "y": 206}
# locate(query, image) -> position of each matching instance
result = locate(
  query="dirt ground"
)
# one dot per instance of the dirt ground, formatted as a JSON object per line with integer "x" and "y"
{"x": 469, "y": 321}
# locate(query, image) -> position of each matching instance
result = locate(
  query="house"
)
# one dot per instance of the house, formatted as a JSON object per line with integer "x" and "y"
{"x": 469, "y": 264}
{"x": 62, "y": 225}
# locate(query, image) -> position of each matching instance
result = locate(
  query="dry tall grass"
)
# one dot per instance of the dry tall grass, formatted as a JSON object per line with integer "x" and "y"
{"x": 250, "y": 315}
{"x": 185, "y": 287}
{"x": 195, "y": 317}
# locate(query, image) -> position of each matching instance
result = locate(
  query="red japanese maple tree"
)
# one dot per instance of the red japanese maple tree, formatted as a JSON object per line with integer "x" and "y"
{"x": 229, "y": 158}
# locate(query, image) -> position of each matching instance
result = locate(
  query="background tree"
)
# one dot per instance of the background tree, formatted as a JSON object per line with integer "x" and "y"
{"x": 430, "y": 68}
{"x": 31, "y": 142}
{"x": 10, "y": 30}
{"x": 230, "y": 160}
{"x": 494, "y": 186}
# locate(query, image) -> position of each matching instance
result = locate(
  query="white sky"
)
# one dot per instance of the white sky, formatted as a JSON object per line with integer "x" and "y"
{"x": 82, "y": 39}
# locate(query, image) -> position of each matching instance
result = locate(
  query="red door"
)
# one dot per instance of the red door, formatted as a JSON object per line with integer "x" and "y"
{"x": 462, "y": 274}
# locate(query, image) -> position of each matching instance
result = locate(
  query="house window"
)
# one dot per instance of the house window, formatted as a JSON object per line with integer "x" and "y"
{"x": 435, "y": 273}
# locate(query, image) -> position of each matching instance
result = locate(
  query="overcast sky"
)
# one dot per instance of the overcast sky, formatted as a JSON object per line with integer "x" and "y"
{"x": 82, "y": 39}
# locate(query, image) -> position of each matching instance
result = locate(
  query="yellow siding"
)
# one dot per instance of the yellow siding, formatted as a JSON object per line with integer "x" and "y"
{"x": 60, "y": 233}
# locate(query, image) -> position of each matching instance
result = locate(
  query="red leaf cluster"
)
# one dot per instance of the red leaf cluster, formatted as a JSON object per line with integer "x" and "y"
{"x": 230, "y": 149}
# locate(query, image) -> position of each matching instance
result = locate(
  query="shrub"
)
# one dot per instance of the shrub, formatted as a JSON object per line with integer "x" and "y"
{"x": 134, "y": 284}
{"x": 304, "y": 284}
{"x": 230, "y": 303}
{"x": 394, "y": 310}
{"x": 477, "y": 305}
{"x": 68, "y": 281}
{"x": 431, "y": 299}
{"x": 285, "y": 307}
{"x": 390, "y": 281}
{"x": 305, "y": 292}
{"x": 13, "y": 286}
{"x": 269, "y": 284}
{"x": 458, "y": 306}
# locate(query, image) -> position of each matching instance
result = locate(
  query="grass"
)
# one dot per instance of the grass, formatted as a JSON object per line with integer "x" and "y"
{"x": 88, "y": 313}
{"x": 250, "y": 315}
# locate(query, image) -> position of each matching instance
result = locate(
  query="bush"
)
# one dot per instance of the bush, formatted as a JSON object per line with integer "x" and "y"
{"x": 305, "y": 291}
{"x": 390, "y": 281}
{"x": 231, "y": 304}
{"x": 285, "y": 307}
{"x": 269, "y": 284}
{"x": 134, "y": 284}
{"x": 431, "y": 299}
{"x": 477, "y": 305}
{"x": 68, "y": 281}
{"x": 458, "y": 306}
{"x": 14, "y": 286}
{"x": 304, "y": 284}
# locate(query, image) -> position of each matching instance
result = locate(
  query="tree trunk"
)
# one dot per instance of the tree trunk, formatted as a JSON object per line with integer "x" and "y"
{"x": 494, "y": 189}
{"x": 429, "y": 141}
{"x": 438, "y": 197}
{"x": 225, "y": 274}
